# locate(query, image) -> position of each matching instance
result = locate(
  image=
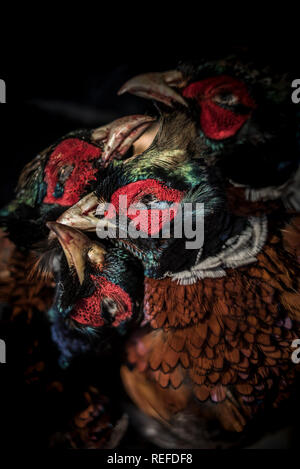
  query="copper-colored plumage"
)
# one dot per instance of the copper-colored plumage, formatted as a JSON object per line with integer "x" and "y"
{"x": 220, "y": 337}
{"x": 22, "y": 294}
{"x": 291, "y": 236}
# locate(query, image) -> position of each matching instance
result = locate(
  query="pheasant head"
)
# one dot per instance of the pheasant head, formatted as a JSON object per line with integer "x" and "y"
{"x": 244, "y": 116}
{"x": 97, "y": 288}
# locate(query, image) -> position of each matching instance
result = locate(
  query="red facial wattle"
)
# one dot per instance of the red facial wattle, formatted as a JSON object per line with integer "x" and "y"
{"x": 88, "y": 310}
{"x": 148, "y": 220}
{"x": 75, "y": 153}
{"x": 218, "y": 122}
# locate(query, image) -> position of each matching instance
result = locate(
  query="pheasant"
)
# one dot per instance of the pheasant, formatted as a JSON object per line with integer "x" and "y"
{"x": 248, "y": 127}
{"x": 99, "y": 292}
{"x": 47, "y": 186}
{"x": 38, "y": 395}
{"x": 41, "y": 393}
{"x": 63, "y": 173}
{"x": 215, "y": 348}
{"x": 245, "y": 118}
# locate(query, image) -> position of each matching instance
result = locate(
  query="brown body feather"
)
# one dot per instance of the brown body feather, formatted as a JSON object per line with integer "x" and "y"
{"x": 291, "y": 236}
{"x": 224, "y": 341}
{"x": 22, "y": 293}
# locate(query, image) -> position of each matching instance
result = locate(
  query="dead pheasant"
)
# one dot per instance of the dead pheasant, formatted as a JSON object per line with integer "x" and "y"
{"x": 98, "y": 294}
{"x": 247, "y": 123}
{"x": 219, "y": 321}
{"x": 58, "y": 177}
{"x": 247, "y": 126}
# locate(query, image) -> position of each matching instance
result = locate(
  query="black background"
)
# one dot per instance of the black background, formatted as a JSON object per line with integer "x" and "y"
{"x": 60, "y": 85}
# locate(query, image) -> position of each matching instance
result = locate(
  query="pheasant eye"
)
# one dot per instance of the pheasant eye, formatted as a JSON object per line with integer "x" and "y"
{"x": 64, "y": 173}
{"x": 148, "y": 199}
{"x": 226, "y": 98}
{"x": 109, "y": 309}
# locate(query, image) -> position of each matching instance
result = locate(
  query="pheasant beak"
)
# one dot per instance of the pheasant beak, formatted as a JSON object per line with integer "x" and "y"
{"x": 81, "y": 216}
{"x": 120, "y": 135}
{"x": 74, "y": 244}
{"x": 157, "y": 86}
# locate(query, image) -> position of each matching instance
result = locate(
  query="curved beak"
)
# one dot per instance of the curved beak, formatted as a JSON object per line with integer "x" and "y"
{"x": 74, "y": 244}
{"x": 82, "y": 216}
{"x": 158, "y": 86}
{"x": 119, "y": 135}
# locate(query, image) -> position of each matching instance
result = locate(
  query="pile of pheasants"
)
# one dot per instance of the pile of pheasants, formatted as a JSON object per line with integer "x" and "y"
{"x": 201, "y": 339}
